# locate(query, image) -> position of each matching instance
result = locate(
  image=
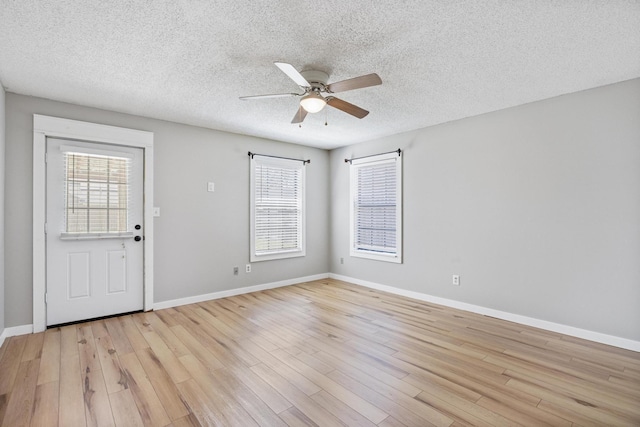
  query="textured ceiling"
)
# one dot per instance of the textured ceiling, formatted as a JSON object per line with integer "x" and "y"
{"x": 188, "y": 61}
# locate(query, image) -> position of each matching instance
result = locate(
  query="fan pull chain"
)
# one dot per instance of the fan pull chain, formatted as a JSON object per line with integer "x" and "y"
{"x": 325, "y": 116}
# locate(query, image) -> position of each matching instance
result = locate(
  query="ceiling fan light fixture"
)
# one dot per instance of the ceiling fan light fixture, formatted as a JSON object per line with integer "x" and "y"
{"x": 313, "y": 102}
{"x": 314, "y": 84}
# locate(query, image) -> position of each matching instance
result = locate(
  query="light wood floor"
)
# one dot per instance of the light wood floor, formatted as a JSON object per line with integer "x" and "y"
{"x": 326, "y": 353}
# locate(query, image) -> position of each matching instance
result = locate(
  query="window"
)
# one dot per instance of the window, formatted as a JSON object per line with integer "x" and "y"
{"x": 96, "y": 193}
{"x": 277, "y": 208}
{"x": 376, "y": 207}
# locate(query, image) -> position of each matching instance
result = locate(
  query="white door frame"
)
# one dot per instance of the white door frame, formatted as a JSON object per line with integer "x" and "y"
{"x": 46, "y": 126}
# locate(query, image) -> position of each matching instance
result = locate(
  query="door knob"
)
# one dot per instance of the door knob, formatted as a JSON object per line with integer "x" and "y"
{"x": 137, "y": 238}
{"x": 137, "y": 227}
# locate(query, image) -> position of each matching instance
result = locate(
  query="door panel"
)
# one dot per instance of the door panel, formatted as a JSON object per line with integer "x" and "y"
{"x": 78, "y": 272}
{"x": 116, "y": 271}
{"x": 94, "y": 202}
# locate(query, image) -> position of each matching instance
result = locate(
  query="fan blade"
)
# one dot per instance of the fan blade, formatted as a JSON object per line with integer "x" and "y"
{"x": 292, "y": 73}
{"x": 275, "y": 95}
{"x": 300, "y": 115}
{"x": 355, "y": 83}
{"x": 348, "y": 108}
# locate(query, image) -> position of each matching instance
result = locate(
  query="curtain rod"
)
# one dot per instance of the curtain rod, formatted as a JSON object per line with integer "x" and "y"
{"x": 399, "y": 151}
{"x": 304, "y": 162}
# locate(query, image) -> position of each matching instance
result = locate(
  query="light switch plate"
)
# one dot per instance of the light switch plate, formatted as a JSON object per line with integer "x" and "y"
{"x": 211, "y": 187}
{"x": 156, "y": 211}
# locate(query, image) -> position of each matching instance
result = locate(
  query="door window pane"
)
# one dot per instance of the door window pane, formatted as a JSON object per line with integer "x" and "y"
{"x": 96, "y": 193}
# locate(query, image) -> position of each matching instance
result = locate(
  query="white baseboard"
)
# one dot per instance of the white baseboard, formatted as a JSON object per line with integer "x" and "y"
{"x": 523, "y": 320}
{"x": 238, "y": 291}
{"x": 15, "y": 330}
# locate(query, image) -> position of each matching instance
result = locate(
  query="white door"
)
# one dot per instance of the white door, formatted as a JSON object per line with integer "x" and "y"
{"x": 94, "y": 230}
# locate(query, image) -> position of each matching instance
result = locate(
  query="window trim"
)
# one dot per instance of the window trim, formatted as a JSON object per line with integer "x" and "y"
{"x": 289, "y": 164}
{"x": 356, "y": 164}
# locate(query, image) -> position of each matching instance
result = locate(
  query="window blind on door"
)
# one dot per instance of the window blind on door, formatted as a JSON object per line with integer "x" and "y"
{"x": 277, "y": 208}
{"x": 97, "y": 193}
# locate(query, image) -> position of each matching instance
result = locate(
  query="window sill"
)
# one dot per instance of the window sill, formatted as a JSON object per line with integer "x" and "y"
{"x": 95, "y": 236}
{"x": 395, "y": 258}
{"x": 279, "y": 255}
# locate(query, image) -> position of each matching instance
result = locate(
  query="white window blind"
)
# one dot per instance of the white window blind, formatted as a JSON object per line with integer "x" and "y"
{"x": 96, "y": 193}
{"x": 376, "y": 207}
{"x": 277, "y": 208}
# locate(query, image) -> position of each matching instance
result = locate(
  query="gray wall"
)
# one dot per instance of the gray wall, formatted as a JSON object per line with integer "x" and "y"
{"x": 199, "y": 236}
{"x": 2, "y": 168}
{"x": 536, "y": 207}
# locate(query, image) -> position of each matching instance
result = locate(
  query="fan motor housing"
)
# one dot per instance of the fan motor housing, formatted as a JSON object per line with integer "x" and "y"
{"x": 315, "y": 77}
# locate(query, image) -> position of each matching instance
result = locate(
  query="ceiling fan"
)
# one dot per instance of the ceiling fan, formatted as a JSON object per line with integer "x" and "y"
{"x": 314, "y": 84}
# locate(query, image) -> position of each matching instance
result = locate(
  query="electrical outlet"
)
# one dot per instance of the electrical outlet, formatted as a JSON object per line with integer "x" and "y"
{"x": 456, "y": 280}
{"x": 211, "y": 187}
{"x": 341, "y": 260}
{"x": 235, "y": 271}
{"x": 247, "y": 268}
